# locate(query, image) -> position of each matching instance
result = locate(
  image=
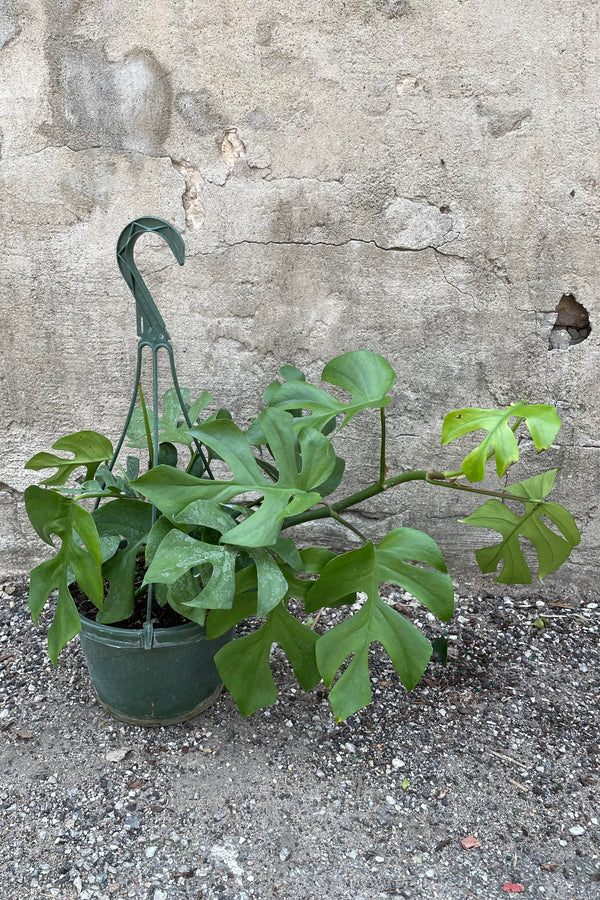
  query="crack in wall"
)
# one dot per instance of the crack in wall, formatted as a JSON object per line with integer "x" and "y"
{"x": 345, "y": 243}
{"x": 451, "y": 283}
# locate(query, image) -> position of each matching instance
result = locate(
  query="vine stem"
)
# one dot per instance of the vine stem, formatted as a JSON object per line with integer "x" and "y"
{"x": 334, "y": 515}
{"x": 324, "y": 512}
{"x": 382, "y": 465}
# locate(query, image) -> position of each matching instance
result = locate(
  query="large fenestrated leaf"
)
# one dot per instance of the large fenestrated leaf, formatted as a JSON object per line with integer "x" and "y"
{"x": 541, "y": 419}
{"x": 130, "y": 520}
{"x": 364, "y": 570}
{"x": 244, "y": 664}
{"x": 391, "y": 561}
{"x": 552, "y": 548}
{"x": 366, "y": 376}
{"x": 171, "y": 424}
{"x": 79, "y": 555}
{"x": 294, "y": 491}
{"x": 89, "y": 449}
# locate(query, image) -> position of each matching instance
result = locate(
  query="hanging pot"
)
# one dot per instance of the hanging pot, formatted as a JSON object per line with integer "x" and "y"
{"x": 152, "y": 676}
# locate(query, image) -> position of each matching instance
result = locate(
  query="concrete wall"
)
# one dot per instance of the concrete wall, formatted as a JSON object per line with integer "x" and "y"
{"x": 417, "y": 177}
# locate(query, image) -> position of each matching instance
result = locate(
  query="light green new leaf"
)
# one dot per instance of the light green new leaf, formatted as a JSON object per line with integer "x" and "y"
{"x": 131, "y": 520}
{"x": 552, "y": 549}
{"x": 294, "y": 492}
{"x": 79, "y": 556}
{"x": 366, "y": 376}
{"x": 363, "y": 570}
{"x": 244, "y": 664}
{"x": 89, "y": 449}
{"x": 541, "y": 419}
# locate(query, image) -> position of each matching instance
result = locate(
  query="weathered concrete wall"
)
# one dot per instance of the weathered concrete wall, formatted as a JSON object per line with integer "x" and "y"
{"x": 418, "y": 177}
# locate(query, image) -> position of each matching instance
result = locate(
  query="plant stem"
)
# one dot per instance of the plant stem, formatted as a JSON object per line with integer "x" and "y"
{"x": 324, "y": 512}
{"x": 146, "y": 426}
{"x": 503, "y": 495}
{"x": 338, "y": 518}
{"x": 382, "y": 465}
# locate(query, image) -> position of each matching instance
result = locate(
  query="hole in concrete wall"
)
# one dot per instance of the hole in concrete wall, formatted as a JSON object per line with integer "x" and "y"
{"x": 572, "y": 324}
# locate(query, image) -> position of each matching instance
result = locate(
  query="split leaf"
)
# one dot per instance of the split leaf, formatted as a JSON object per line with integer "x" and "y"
{"x": 363, "y": 570}
{"x": 244, "y": 664}
{"x": 552, "y": 548}
{"x": 366, "y": 376}
{"x": 79, "y": 555}
{"x": 541, "y": 419}
{"x": 178, "y": 552}
{"x": 89, "y": 449}
{"x": 130, "y": 520}
{"x": 294, "y": 491}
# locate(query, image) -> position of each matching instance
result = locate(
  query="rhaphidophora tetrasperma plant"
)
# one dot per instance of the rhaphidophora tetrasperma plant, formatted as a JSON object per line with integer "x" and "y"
{"x": 216, "y": 550}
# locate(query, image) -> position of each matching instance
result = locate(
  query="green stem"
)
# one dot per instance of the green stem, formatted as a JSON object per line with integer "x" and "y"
{"x": 382, "y": 465}
{"x": 324, "y": 512}
{"x": 338, "y": 518}
{"x": 503, "y": 495}
{"x": 146, "y": 425}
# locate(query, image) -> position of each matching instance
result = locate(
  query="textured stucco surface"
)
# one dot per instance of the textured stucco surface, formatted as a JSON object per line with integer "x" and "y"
{"x": 417, "y": 177}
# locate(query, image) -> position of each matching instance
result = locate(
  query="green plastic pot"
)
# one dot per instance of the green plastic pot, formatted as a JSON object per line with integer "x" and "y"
{"x": 152, "y": 676}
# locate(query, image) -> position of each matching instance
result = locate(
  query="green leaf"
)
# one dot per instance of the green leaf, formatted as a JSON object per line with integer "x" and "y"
{"x": 294, "y": 492}
{"x": 89, "y": 449}
{"x": 408, "y": 649}
{"x": 172, "y": 428}
{"x": 552, "y": 549}
{"x": 440, "y": 650}
{"x": 363, "y": 570}
{"x": 272, "y": 585}
{"x": 79, "y": 556}
{"x": 366, "y": 376}
{"x": 313, "y": 561}
{"x": 130, "y": 520}
{"x": 167, "y": 454}
{"x": 207, "y": 513}
{"x": 288, "y": 373}
{"x": 390, "y": 562}
{"x": 287, "y": 551}
{"x": 179, "y": 552}
{"x": 542, "y": 421}
{"x": 221, "y": 620}
{"x": 181, "y": 596}
{"x": 244, "y": 664}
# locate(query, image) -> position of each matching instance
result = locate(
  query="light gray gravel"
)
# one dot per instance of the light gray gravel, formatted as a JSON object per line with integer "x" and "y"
{"x": 502, "y": 746}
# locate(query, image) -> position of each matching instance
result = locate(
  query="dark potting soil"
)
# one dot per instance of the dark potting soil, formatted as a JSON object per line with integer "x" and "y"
{"x": 162, "y": 616}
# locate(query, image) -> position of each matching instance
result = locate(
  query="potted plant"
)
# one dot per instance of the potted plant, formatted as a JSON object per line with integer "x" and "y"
{"x": 204, "y": 535}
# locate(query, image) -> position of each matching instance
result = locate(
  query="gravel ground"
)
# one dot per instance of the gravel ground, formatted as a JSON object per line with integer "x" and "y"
{"x": 500, "y": 746}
